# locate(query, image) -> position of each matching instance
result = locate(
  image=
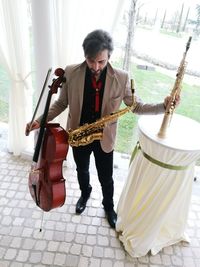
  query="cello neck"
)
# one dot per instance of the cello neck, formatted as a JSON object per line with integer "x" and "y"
{"x": 42, "y": 128}
{"x": 53, "y": 90}
{"x": 40, "y": 97}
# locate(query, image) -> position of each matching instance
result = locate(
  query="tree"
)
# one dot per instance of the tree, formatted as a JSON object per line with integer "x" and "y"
{"x": 155, "y": 18}
{"x": 163, "y": 20}
{"x": 197, "y": 28}
{"x": 130, "y": 35}
{"x": 180, "y": 20}
{"x": 186, "y": 19}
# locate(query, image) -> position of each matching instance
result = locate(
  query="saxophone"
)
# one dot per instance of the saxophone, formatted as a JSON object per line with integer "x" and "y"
{"x": 89, "y": 132}
{"x": 175, "y": 92}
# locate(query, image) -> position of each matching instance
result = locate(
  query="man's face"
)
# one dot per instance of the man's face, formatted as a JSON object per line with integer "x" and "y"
{"x": 98, "y": 63}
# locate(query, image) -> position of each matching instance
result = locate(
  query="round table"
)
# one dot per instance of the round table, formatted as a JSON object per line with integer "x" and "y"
{"x": 154, "y": 203}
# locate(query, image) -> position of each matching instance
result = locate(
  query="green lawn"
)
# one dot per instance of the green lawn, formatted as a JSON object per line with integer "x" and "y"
{"x": 4, "y": 94}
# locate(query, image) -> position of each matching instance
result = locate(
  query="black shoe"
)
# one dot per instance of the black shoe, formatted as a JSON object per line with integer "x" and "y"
{"x": 81, "y": 203}
{"x": 112, "y": 218}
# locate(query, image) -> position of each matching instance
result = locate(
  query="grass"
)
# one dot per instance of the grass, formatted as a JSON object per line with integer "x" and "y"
{"x": 4, "y": 94}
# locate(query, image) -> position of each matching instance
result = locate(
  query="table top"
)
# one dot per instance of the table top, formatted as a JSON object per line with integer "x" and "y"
{"x": 183, "y": 133}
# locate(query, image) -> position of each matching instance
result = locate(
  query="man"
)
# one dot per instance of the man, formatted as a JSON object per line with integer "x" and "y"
{"x": 92, "y": 90}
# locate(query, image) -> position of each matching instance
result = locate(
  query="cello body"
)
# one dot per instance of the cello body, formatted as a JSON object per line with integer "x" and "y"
{"x": 46, "y": 181}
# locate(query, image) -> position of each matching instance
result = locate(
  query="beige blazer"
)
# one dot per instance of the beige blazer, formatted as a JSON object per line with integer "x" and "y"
{"x": 117, "y": 89}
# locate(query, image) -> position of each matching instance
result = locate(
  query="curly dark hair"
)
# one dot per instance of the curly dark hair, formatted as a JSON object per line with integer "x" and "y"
{"x": 97, "y": 41}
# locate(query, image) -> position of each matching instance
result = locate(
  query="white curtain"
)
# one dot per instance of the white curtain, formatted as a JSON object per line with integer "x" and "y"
{"x": 15, "y": 57}
{"x": 70, "y": 22}
{"x": 74, "y": 19}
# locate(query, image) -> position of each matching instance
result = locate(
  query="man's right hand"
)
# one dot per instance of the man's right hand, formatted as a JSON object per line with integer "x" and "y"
{"x": 29, "y": 127}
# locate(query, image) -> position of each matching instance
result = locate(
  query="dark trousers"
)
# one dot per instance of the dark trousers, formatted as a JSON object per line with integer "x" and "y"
{"x": 104, "y": 166}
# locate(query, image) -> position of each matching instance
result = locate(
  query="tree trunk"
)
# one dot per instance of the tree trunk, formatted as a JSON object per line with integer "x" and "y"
{"x": 163, "y": 20}
{"x": 186, "y": 20}
{"x": 180, "y": 20}
{"x": 130, "y": 35}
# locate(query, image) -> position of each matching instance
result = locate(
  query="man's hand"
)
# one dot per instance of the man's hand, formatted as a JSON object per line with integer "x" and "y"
{"x": 169, "y": 99}
{"x": 29, "y": 127}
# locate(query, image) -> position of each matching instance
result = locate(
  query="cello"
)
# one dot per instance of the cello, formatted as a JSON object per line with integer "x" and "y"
{"x": 46, "y": 182}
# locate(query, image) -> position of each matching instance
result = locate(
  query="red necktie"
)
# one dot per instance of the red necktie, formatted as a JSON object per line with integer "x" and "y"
{"x": 97, "y": 86}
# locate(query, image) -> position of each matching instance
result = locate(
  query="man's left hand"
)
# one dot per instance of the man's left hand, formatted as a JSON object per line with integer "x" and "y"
{"x": 169, "y": 99}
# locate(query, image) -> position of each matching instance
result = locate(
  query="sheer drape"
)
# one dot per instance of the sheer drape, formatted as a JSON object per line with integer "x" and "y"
{"x": 15, "y": 57}
{"x": 71, "y": 20}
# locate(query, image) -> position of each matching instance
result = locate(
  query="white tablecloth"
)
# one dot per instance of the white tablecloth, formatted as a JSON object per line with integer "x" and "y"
{"x": 154, "y": 204}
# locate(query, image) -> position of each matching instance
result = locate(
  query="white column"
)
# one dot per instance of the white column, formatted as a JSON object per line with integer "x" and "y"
{"x": 42, "y": 42}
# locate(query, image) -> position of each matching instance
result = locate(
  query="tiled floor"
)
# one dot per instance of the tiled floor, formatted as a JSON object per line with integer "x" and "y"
{"x": 68, "y": 239}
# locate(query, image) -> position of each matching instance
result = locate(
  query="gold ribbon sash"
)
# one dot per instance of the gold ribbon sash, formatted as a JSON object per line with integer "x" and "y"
{"x": 155, "y": 161}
